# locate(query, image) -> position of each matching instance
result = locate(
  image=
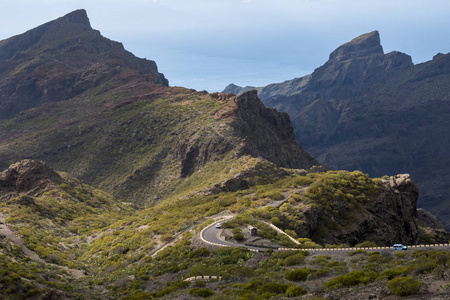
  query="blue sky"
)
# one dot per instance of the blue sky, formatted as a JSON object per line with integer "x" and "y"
{"x": 207, "y": 44}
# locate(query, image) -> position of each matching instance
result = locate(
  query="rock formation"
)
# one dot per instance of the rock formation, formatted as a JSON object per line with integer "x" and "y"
{"x": 390, "y": 215}
{"x": 25, "y": 177}
{"x": 268, "y": 134}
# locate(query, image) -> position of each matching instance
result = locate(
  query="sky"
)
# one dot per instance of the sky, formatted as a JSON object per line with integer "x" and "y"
{"x": 208, "y": 44}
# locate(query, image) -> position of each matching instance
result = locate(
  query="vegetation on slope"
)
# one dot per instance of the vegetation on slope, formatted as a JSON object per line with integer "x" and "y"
{"x": 77, "y": 226}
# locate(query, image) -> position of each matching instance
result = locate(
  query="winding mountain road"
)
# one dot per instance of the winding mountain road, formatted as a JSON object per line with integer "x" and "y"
{"x": 211, "y": 235}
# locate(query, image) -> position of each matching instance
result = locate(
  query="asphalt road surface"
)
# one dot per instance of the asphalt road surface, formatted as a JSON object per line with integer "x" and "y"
{"x": 211, "y": 235}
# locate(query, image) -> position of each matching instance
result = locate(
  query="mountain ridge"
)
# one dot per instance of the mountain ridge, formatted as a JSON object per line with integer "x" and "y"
{"x": 34, "y": 66}
{"x": 109, "y": 118}
{"x": 374, "y": 112}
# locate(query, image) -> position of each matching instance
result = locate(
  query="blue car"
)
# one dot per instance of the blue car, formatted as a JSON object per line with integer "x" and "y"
{"x": 400, "y": 247}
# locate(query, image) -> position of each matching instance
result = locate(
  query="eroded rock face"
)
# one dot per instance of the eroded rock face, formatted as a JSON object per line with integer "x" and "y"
{"x": 245, "y": 127}
{"x": 391, "y": 216}
{"x": 26, "y": 176}
{"x": 268, "y": 134}
{"x": 395, "y": 210}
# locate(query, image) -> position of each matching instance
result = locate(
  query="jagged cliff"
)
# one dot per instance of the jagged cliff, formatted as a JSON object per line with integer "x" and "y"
{"x": 375, "y": 112}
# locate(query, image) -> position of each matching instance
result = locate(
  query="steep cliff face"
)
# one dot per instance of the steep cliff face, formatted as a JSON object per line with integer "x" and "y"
{"x": 60, "y": 60}
{"x": 391, "y": 215}
{"x": 378, "y": 113}
{"x": 268, "y": 134}
{"x": 388, "y": 216}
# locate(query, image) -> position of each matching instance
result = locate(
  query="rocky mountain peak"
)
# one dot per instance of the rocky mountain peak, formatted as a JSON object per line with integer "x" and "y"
{"x": 78, "y": 16}
{"x": 366, "y": 44}
{"x": 63, "y": 28}
{"x": 62, "y": 59}
{"x": 354, "y": 68}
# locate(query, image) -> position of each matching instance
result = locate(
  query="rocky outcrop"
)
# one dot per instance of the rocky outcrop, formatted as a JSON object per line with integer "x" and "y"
{"x": 268, "y": 134}
{"x": 243, "y": 126}
{"x": 25, "y": 177}
{"x": 60, "y": 60}
{"x": 389, "y": 217}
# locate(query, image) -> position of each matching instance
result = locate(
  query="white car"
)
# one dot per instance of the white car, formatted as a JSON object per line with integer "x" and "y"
{"x": 219, "y": 225}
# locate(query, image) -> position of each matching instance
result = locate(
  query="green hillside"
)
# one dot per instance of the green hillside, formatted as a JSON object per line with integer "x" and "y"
{"x": 110, "y": 176}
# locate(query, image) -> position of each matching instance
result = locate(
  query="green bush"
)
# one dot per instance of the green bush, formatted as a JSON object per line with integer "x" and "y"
{"x": 295, "y": 291}
{"x": 297, "y": 274}
{"x": 277, "y": 222}
{"x": 321, "y": 260}
{"x": 201, "y": 292}
{"x": 350, "y": 279}
{"x": 404, "y": 286}
{"x": 274, "y": 195}
{"x": 238, "y": 236}
{"x": 293, "y": 260}
{"x": 366, "y": 244}
{"x": 359, "y": 251}
{"x": 236, "y": 230}
{"x": 200, "y": 252}
{"x": 284, "y": 254}
{"x": 273, "y": 287}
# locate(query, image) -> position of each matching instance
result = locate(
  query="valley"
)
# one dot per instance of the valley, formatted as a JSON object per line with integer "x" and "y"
{"x": 110, "y": 178}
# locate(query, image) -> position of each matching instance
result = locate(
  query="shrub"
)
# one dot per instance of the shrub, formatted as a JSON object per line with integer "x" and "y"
{"x": 238, "y": 236}
{"x": 199, "y": 283}
{"x": 277, "y": 222}
{"x": 297, "y": 274}
{"x": 201, "y": 292}
{"x": 295, "y": 291}
{"x": 359, "y": 251}
{"x": 236, "y": 230}
{"x": 321, "y": 260}
{"x": 274, "y": 195}
{"x": 272, "y": 287}
{"x": 200, "y": 252}
{"x": 294, "y": 260}
{"x": 366, "y": 244}
{"x": 284, "y": 254}
{"x": 350, "y": 279}
{"x": 404, "y": 286}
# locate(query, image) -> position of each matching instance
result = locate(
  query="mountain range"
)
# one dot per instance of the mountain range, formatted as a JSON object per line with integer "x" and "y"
{"x": 374, "y": 112}
{"x": 109, "y": 176}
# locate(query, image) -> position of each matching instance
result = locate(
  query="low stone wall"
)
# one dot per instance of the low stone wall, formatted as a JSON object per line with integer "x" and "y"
{"x": 194, "y": 278}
